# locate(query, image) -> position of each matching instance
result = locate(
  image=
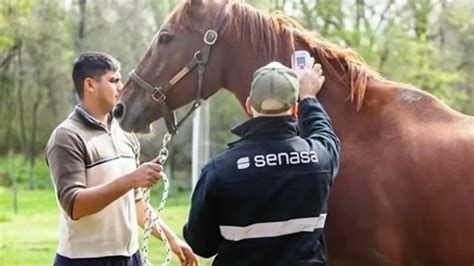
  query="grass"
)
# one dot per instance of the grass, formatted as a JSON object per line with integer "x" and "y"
{"x": 30, "y": 236}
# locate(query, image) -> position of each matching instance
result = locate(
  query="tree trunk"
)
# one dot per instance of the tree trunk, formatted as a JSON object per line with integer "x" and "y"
{"x": 8, "y": 134}
{"x": 15, "y": 196}
{"x": 21, "y": 106}
{"x": 7, "y": 112}
{"x": 32, "y": 150}
{"x": 81, "y": 27}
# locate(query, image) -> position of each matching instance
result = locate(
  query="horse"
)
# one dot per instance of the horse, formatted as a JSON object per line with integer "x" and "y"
{"x": 405, "y": 189}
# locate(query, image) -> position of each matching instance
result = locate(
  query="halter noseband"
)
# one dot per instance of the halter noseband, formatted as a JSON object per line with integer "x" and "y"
{"x": 200, "y": 59}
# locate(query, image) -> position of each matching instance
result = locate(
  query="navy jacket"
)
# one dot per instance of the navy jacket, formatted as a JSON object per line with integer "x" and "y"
{"x": 264, "y": 200}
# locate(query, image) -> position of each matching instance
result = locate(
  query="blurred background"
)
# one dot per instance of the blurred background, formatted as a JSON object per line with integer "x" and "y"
{"x": 427, "y": 43}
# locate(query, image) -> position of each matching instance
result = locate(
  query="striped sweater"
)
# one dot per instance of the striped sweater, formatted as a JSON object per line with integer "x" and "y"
{"x": 81, "y": 153}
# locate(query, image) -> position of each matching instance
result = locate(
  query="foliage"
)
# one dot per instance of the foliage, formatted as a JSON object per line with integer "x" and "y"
{"x": 13, "y": 168}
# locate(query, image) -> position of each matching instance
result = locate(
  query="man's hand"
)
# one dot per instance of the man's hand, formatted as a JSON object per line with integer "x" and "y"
{"x": 311, "y": 80}
{"x": 147, "y": 174}
{"x": 179, "y": 247}
{"x": 184, "y": 253}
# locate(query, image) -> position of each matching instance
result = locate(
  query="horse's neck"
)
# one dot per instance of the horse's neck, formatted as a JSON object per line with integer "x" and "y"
{"x": 345, "y": 118}
{"x": 388, "y": 108}
{"x": 242, "y": 63}
{"x": 238, "y": 77}
{"x": 333, "y": 96}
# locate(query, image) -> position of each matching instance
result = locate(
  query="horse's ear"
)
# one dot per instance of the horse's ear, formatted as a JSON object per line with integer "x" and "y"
{"x": 197, "y": 8}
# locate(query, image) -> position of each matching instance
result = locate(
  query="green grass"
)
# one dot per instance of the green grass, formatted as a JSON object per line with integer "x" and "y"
{"x": 30, "y": 236}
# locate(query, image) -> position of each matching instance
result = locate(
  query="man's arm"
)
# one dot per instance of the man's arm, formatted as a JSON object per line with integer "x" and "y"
{"x": 66, "y": 158}
{"x": 202, "y": 229}
{"x": 317, "y": 126}
{"x": 91, "y": 200}
{"x": 315, "y": 122}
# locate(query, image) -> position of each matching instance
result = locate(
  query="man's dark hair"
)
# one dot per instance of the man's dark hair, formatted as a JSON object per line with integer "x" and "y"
{"x": 92, "y": 65}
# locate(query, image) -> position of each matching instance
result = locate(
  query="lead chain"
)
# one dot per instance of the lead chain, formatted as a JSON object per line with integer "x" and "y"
{"x": 152, "y": 220}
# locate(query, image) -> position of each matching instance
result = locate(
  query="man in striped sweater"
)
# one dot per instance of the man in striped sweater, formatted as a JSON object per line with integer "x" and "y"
{"x": 96, "y": 175}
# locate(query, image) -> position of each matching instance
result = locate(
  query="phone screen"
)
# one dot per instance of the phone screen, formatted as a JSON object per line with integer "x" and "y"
{"x": 300, "y": 61}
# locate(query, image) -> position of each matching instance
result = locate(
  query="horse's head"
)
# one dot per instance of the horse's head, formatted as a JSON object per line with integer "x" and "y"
{"x": 179, "y": 67}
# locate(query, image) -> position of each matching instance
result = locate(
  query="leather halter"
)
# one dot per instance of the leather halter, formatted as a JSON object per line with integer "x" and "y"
{"x": 200, "y": 59}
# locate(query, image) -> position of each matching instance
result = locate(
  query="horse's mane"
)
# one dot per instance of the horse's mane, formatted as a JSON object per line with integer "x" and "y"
{"x": 355, "y": 71}
{"x": 280, "y": 33}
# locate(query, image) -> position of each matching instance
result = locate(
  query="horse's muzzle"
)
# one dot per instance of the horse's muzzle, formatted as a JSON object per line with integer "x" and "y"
{"x": 118, "y": 111}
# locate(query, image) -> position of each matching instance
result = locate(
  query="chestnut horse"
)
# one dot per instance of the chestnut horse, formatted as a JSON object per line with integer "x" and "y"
{"x": 405, "y": 191}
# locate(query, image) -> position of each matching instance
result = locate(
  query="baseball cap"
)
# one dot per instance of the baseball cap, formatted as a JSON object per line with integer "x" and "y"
{"x": 274, "y": 81}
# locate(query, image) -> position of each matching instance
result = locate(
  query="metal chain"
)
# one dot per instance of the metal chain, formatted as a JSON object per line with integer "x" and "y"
{"x": 151, "y": 220}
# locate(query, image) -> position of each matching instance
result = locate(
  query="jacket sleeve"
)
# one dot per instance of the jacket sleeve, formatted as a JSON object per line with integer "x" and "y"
{"x": 316, "y": 126}
{"x": 202, "y": 230}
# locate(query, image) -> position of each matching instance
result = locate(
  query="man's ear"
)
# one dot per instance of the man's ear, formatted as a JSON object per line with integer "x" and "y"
{"x": 294, "y": 110}
{"x": 89, "y": 84}
{"x": 248, "y": 107}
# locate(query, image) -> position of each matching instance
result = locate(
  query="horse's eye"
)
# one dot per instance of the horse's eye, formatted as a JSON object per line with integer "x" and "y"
{"x": 165, "y": 38}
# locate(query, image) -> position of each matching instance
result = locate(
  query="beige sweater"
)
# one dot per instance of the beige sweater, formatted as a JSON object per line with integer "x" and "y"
{"x": 83, "y": 153}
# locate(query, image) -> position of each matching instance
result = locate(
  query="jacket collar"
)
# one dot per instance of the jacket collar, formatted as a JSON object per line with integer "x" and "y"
{"x": 266, "y": 128}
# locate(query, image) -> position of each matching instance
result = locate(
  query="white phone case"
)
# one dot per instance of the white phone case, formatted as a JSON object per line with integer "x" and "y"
{"x": 300, "y": 60}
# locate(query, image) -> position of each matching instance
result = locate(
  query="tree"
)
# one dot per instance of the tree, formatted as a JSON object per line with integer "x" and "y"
{"x": 32, "y": 66}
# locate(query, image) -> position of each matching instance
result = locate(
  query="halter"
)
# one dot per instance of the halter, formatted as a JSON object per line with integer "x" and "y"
{"x": 200, "y": 59}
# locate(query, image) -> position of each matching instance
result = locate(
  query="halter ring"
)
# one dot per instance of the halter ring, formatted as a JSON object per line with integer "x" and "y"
{"x": 210, "y": 37}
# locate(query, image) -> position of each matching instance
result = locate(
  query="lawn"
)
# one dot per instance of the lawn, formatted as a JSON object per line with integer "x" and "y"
{"x": 30, "y": 236}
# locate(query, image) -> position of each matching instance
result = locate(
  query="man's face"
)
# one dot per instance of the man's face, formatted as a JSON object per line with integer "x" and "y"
{"x": 109, "y": 87}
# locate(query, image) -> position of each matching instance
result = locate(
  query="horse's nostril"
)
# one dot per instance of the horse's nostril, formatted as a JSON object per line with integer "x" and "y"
{"x": 118, "y": 111}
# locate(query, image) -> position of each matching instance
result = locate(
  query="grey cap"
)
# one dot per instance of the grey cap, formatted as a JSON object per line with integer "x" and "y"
{"x": 274, "y": 81}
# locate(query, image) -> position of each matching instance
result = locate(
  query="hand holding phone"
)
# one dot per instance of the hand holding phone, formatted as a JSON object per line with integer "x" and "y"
{"x": 311, "y": 81}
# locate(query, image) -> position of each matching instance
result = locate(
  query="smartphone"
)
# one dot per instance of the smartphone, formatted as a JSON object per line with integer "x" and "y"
{"x": 301, "y": 59}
